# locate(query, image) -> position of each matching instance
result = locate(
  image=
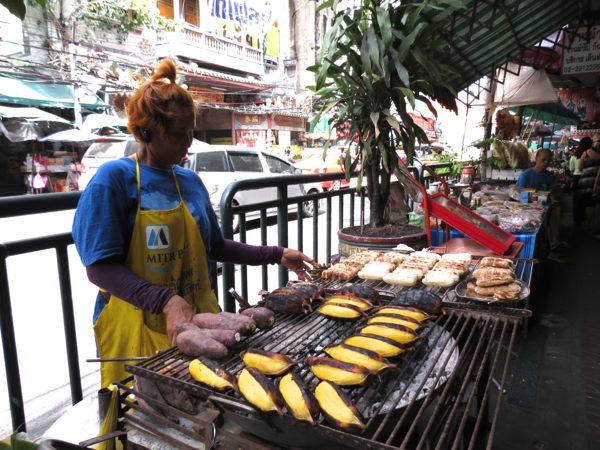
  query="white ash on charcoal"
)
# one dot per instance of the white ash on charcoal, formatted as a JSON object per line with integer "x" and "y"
{"x": 436, "y": 358}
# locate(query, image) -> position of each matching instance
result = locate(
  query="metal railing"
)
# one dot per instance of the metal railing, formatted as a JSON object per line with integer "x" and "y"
{"x": 44, "y": 203}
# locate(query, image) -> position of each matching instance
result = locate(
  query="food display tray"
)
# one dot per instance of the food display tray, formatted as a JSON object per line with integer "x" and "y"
{"x": 463, "y": 292}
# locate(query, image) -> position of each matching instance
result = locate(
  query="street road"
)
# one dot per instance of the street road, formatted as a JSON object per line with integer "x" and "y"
{"x": 37, "y": 311}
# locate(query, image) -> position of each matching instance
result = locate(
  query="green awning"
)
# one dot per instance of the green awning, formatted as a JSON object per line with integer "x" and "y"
{"x": 49, "y": 94}
{"x": 486, "y": 34}
{"x": 551, "y": 112}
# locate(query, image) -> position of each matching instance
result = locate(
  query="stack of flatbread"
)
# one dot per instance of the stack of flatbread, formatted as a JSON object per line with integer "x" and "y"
{"x": 349, "y": 267}
{"x": 496, "y": 278}
{"x": 448, "y": 270}
{"x": 412, "y": 269}
{"x": 381, "y": 266}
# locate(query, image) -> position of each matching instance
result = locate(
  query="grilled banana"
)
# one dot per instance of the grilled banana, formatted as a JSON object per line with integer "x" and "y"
{"x": 315, "y": 291}
{"x": 421, "y": 316}
{"x": 298, "y": 398}
{"x": 383, "y": 346}
{"x": 361, "y": 291}
{"x": 360, "y": 302}
{"x": 398, "y": 319}
{"x": 296, "y": 303}
{"x": 357, "y": 355}
{"x": 338, "y": 409}
{"x": 342, "y": 373}
{"x": 399, "y": 333}
{"x": 341, "y": 311}
{"x": 258, "y": 390}
{"x": 208, "y": 372}
{"x": 269, "y": 363}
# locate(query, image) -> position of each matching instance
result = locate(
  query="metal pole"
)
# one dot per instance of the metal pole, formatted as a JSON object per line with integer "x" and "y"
{"x": 69, "y": 321}
{"x": 282, "y": 229}
{"x": 9, "y": 345}
{"x": 74, "y": 78}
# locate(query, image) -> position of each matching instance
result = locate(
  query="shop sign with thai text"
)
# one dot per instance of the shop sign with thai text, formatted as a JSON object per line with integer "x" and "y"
{"x": 250, "y": 121}
{"x": 581, "y": 56}
{"x": 205, "y": 95}
{"x": 287, "y": 123}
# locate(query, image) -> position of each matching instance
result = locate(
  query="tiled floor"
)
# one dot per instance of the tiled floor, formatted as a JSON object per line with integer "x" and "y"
{"x": 566, "y": 321}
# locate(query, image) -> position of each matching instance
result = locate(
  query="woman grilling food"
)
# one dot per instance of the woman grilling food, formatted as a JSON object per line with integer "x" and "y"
{"x": 145, "y": 230}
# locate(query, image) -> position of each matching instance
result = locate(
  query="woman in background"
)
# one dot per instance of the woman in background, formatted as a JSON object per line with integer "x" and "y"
{"x": 578, "y": 207}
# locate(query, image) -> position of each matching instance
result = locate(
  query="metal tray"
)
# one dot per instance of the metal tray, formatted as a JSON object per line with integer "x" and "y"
{"x": 462, "y": 291}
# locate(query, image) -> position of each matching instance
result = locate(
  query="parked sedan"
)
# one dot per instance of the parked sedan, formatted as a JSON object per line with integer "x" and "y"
{"x": 221, "y": 165}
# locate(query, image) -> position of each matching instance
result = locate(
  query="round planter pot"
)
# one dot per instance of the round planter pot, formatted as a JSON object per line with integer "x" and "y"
{"x": 349, "y": 243}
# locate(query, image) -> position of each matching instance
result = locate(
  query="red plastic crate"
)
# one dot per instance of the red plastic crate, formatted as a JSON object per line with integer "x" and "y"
{"x": 470, "y": 224}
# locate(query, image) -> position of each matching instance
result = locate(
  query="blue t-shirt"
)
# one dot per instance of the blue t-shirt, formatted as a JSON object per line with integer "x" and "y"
{"x": 543, "y": 182}
{"x": 106, "y": 212}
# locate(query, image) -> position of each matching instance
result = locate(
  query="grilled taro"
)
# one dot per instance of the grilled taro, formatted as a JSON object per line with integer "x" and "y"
{"x": 341, "y": 311}
{"x": 398, "y": 333}
{"x": 360, "y": 291}
{"x": 398, "y": 319}
{"x": 385, "y": 347}
{"x": 338, "y": 409}
{"x": 417, "y": 314}
{"x": 287, "y": 303}
{"x": 313, "y": 290}
{"x": 210, "y": 373}
{"x": 339, "y": 372}
{"x": 298, "y": 398}
{"x": 357, "y": 355}
{"x": 258, "y": 390}
{"x": 360, "y": 302}
{"x": 424, "y": 300}
{"x": 269, "y": 363}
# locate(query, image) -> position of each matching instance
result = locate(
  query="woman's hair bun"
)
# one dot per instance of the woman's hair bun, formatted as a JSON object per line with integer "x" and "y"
{"x": 165, "y": 69}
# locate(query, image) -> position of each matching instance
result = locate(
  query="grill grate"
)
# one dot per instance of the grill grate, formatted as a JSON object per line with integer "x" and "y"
{"x": 444, "y": 374}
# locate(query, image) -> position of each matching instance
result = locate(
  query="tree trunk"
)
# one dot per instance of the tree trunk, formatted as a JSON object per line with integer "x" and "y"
{"x": 377, "y": 198}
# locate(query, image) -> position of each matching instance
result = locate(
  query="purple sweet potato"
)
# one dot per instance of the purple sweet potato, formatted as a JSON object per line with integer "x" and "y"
{"x": 218, "y": 322}
{"x": 248, "y": 322}
{"x": 185, "y": 326}
{"x": 263, "y": 317}
{"x": 195, "y": 344}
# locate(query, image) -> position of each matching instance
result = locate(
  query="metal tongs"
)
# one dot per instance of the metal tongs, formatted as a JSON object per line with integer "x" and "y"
{"x": 241, "y": 300}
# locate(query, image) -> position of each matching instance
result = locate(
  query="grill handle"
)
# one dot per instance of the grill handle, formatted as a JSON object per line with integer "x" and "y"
{"x": 219, "y": 402}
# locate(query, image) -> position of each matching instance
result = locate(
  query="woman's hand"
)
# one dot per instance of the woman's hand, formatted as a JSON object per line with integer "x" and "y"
{"x": 177, "y": 310}
{"x": 295, "y": 260}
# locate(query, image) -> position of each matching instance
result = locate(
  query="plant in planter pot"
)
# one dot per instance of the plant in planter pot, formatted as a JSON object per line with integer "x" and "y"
{"x": 376, "y": 62}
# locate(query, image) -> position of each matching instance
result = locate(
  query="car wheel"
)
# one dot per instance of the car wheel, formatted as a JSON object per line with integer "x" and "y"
{"x": 308, "y": 209}
{"x": 336, "y": 185}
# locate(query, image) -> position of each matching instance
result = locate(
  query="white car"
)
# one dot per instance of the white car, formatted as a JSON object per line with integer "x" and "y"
{"x": 110, "y": 148}
{"x": 221, "y": 165}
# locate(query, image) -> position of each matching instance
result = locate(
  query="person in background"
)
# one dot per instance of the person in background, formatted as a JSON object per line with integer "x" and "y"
{"x": 541, "y": 179}
{"x": 145, "y": 231}
{"x": 589, "y": 165}
{"x": 578, "y": 207}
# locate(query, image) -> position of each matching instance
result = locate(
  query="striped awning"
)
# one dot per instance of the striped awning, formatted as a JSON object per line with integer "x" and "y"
{"x": 486, "y": 34}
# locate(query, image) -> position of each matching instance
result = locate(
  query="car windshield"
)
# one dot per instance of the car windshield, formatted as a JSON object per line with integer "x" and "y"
{"x": 106, "y": 149}
{"x": 276, "y": 165}
{"x": 211, "y": 162}
{"x": 245, "y": 162}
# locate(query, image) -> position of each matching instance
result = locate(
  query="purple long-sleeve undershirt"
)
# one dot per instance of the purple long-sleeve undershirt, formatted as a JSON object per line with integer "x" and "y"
{"x": 121, "y": 282}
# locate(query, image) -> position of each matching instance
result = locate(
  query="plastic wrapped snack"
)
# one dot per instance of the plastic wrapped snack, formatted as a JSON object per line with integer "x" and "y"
{"x": 516, "y": 223}
{"x": 514, "y": 192}
{"x": 491, "y": 218}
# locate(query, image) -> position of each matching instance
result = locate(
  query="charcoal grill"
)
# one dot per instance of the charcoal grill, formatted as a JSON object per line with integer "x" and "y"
{"x": 425, "y": 403}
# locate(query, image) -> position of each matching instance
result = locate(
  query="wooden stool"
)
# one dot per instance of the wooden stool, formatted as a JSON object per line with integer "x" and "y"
{"x": 466, "y": 245}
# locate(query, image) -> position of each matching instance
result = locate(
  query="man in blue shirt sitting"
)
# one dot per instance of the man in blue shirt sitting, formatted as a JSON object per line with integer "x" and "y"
{"x": 541, "y": 179}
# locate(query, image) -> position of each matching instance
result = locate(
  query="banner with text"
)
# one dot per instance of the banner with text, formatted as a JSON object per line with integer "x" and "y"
{"x": 581, "y": 56}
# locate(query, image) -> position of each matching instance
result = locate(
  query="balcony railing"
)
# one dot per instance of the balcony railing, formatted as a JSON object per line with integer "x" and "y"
{"x": 215, "y": 49}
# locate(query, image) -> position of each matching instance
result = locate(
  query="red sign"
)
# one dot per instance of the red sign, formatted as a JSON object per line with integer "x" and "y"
{"x": 578, "y": 134}
{"x": 251, "y": 121}
{"x": 540, "y": 58}
{"x": 423, "y": 122}
{"x": 581, "y": 101}
{"x": 205, "y": 95}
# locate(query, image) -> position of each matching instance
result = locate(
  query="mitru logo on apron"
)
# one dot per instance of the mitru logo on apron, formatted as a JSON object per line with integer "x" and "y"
{"x": 166, "y": 249}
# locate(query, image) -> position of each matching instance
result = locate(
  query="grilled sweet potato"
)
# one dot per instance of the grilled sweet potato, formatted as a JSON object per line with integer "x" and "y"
{"x": 218, "y": 322}
{"x": 229, "y": 338}
{"x": 193, "y": 343}
{"x": 249, "y": 324}
{"x": 263, "y": 317}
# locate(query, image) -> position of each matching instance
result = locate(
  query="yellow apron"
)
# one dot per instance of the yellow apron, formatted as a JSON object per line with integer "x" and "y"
{"x": 166, "y": 249}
